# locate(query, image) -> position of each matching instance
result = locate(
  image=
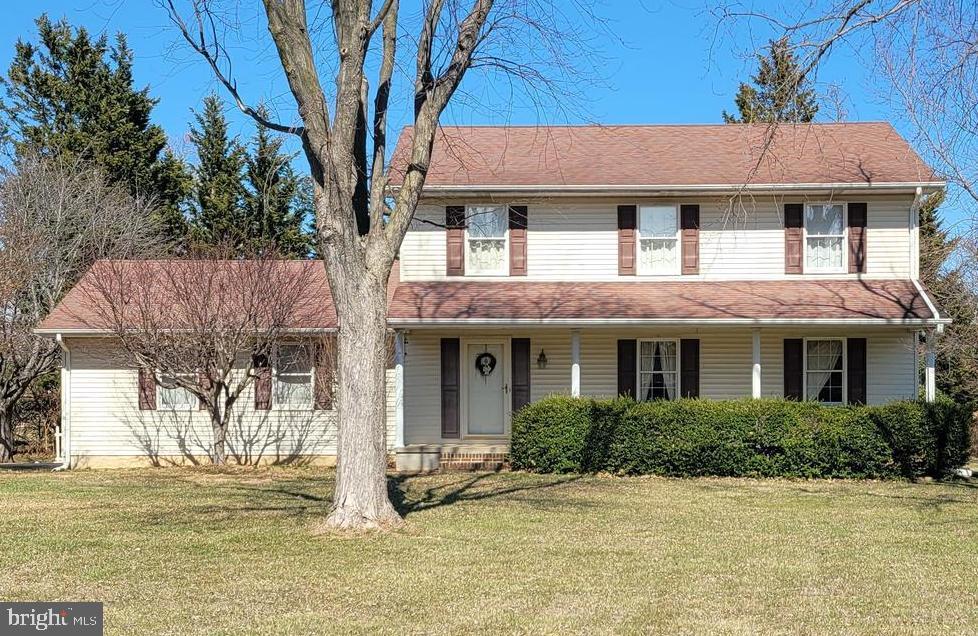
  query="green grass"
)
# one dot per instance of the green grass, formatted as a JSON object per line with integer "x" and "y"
{"x": 184, "y": 551}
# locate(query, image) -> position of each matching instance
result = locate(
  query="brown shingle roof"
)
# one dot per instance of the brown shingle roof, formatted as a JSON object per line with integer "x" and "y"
{"x": 311, "y": 308}
{"x": 687, "y": 155}
{"x": 891, "y": 300}
{"x": 474, "y": 301}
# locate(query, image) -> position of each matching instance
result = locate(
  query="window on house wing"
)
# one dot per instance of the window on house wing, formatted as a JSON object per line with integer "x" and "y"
{"x": 825, "y": 237}
{"x": 175, "y": 397}
{"x": 658, "y": 236}
{"x": 293, "y": 376}
{"x": 486, "y": 240}
{"x": 658, "y": 372}
{"x": 824, "y": 370}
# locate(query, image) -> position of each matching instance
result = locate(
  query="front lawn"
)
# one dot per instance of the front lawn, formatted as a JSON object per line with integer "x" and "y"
{"x": 195, "y": 551}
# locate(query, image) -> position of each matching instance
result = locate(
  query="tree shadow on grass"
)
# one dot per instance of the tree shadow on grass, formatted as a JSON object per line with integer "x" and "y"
{"x": 467, "y": 487}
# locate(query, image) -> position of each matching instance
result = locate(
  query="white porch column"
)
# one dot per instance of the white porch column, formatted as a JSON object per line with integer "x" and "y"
{"x": 755, "y": 385}
{"x": 575, "y": 362}
{"x": 930, "y": 380}
{"x": 399, "y": 389}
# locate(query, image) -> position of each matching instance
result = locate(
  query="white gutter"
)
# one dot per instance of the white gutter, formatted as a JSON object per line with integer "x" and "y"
{"x": 65, "y": 405}
{"x": 940, "y": 322}
{"x": 704, "y": 322}
{"x": 731, "y": 188}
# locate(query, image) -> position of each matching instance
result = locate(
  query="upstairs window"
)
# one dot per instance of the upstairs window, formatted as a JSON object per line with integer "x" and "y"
{"x": 825, "y": 234}
{"x": 173, "y": 397}
{"x": 658, "y": 238}
{"x": 658, "y": 369}
{"x": 485, "y": 250}
{"x": 293, "y": 377}
{"x": 825, "y": 370}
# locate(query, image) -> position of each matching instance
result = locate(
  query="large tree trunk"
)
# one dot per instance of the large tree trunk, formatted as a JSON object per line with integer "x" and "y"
{"x": 6, "y": 435}
{"x": 219, "y": 434}
{"x": 360, "y": 500}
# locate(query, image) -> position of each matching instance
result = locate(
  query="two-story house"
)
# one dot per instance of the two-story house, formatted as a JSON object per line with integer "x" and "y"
{"x": 714, "y": 261}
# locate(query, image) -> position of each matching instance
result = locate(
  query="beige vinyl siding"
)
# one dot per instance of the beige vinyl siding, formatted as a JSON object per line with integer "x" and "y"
{"x": 424, "y": 245}
{"x": 106, "y": 420}
{"x": 578, "y": 239}
{"x": 725, "y": 365}
{"x": 888, "y": 238}
{"x": 741, "y": 242}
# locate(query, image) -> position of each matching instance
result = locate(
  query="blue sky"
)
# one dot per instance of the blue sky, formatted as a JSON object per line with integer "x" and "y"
{"x": 659, "y": 62}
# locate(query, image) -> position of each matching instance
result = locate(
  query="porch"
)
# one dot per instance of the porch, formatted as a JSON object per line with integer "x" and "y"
{"x": 458, "y": 388}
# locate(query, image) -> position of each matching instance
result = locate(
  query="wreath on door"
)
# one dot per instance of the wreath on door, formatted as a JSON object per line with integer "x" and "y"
{"x": 485, "y": 363}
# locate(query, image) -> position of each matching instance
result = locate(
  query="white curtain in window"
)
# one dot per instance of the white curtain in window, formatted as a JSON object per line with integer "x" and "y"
{"x": 824, "y": 361}
{"x": 487, "y": 239}
{"x": 293, "y": 381}
{"x": 825, "y": 227}
{"x": 173, "y": 396}
{"x": 658, "y": 245}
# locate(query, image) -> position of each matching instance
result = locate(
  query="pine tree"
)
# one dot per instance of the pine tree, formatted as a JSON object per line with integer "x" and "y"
{"x": 779, "y": 92}
{"x": 218, "y": 214}
{"x": 278, "y": 202}
{"x": 72, "y": 95}
{"x": 942, "y": 276}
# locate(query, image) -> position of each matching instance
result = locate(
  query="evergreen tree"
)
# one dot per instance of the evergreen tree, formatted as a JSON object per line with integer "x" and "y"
{"x": 779, "y": 92}
{"x": 278, "y": 202}
{"x": 941, "y": 274}
{"x": 70, "y": 94}
{"x": 218, "y": 215}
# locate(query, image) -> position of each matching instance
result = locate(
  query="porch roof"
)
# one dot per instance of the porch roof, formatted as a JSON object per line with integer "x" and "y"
{"x": 893, "y": 302}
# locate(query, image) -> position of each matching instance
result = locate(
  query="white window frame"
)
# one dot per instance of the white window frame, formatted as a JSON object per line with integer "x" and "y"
{"x": 277, "y": 404}
{"x": 845, "y": 367}
{"x": 640, "y": 397}
{"x": 504, "y": 268}
{"x": 638, "y": 239}
{"x": 842, "y": 269}
{"x": 161, "y": 406}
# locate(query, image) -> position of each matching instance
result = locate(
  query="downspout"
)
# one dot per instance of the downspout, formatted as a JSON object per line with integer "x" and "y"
{"x": 914, "y": 225}
{"x": 65, "y": 404}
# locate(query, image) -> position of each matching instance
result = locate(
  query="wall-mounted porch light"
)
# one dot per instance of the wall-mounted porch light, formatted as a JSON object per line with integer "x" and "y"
{"x": 542, "y": 360}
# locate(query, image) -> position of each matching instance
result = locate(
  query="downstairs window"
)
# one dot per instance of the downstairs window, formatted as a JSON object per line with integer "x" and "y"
{"x": 658, "y": 369}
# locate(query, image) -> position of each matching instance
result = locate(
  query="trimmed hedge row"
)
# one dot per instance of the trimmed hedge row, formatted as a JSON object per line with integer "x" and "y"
{"x": 764, "y": 438}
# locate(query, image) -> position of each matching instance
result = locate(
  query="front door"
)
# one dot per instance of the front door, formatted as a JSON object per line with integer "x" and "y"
{"x": 485, "y": 376}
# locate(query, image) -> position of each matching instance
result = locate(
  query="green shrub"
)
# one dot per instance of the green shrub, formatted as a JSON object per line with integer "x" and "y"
{"x": 766, "y": 438}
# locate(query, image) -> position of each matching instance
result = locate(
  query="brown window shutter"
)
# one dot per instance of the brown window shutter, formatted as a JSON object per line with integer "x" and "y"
{"x": 689, "y": 223}
{"x": 857, "y": 237}
{"x": 794, "y": 368}
{"x": 794, "y": 225}
{"x": 325, "y": 373}
{"x": 520, "y": 348}
{"x": 147, "y": 390}
{"x": 263, "y": 382}
{"x": 626, "y": 239}
{"x": 689, "y": 367}
{"x": 517, "y": 240}
{"x": 450, "y": 373}
{"x": 627, "y": 367}
{"x": 856, "y": 371}
{"x": 455, "y": 237}
{"x": 204, "y": 381}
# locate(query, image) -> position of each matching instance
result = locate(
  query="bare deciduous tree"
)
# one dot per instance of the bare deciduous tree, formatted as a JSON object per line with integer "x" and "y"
{"x": 363, "y": 208}
{"x": 56, "y": 218}
{"x": 923, "y": 53}
{"x": 207, "y": 324}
